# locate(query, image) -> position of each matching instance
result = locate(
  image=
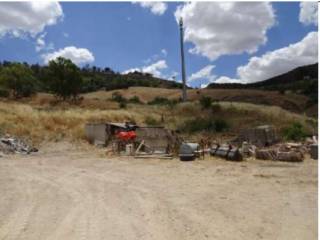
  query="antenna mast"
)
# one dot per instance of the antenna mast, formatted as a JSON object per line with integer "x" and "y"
{"x": 183, "y": 70}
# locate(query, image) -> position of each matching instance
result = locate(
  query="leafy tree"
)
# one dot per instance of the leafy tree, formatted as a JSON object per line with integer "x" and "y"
{"x": 64, "y": 78}
{"x": 18, "y": 78}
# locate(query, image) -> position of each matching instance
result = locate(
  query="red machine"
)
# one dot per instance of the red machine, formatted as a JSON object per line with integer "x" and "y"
{"x": 126, "y": 135}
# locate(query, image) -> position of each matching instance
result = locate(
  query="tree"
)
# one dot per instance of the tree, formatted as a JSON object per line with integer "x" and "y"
{"x": 64, "y": 78}
{"x": 18, "y": 78}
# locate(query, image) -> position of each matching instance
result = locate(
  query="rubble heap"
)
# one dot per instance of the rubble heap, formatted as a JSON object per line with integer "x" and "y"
{"x": 288, "y": 152}
{"x": 11, "y": 145}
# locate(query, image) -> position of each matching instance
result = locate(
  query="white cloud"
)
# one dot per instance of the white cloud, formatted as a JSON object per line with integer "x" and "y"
{"x": 278, "y": 61}
{"x": 225, "y": 79}
{"x": 131, "y": 70}
{"x": 76, "y": 55}
{"x": 157, "y": 8}
{"x": 155, "y": 68}
{"x": 164, "y": 52}
{"x": 219, "y": 28}
{"x": 20, "y": 18}
{"x": 203, "y": 77}
{"x": 204, "y": 73}
{"x": 309, "y": 13}
{"x": 41, "y": 43}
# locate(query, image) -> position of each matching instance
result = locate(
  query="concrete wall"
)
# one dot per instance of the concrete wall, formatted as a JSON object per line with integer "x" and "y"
{"x": 96, "y": 133}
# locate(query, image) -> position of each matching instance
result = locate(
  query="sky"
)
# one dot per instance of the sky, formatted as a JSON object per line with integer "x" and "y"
{"x": 225, "y": 42}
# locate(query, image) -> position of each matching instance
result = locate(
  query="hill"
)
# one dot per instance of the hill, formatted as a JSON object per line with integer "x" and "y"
{"x": 93, "y": 78}
{"x": 293, "y": 102}
{"x": 302, "y": 80}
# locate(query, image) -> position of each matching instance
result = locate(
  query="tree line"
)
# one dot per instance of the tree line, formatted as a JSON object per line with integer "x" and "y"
{"x": 65, "y": 80}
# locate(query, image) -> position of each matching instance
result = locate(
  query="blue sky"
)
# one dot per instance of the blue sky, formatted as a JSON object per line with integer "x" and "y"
{"x": 125, "y": 36}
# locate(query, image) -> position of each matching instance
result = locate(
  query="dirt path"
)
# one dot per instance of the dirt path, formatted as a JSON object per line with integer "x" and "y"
{"x": 72, "y": 194}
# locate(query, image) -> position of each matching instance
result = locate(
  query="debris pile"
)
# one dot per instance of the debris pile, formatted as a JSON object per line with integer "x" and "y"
{"x": 287, "y": 152}
{"x": 11, "y": 145}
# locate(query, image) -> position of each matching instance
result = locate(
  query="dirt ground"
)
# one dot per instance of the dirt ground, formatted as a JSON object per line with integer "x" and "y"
{"x": 68, "y": 193}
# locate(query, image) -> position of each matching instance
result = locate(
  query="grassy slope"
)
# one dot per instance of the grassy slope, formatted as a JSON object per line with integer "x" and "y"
{"x": 292, "y": 102}
{"x": 42, "y": 119}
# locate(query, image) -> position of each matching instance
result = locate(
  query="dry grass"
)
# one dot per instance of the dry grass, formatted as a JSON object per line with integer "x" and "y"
{"x": 42, "y": 119}
{"x": 292, "y": 102}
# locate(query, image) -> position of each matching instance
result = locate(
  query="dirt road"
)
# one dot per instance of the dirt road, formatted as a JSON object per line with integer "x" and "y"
{"x": 76, "y": 194}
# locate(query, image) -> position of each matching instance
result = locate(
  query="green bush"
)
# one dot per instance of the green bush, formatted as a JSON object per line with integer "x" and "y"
{"x": 295, "y": 132}
{"x": 122, "y": 105}
{"x": 135, "y": 99}
{"x": 215, "y": 108}
{"x": 117, "y": 97}
{"x": 162, "y": 101}
{"x": 205, "y": 102}
{"x": 204, "y": 124}
{"x": 4, "y": 92}
{"x": 151, "y": 121}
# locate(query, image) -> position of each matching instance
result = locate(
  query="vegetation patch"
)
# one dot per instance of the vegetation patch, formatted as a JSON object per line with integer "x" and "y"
{"x": 294, "y": 132}
{"x": 162, "y": 101}
{"x": 204, "y": 124}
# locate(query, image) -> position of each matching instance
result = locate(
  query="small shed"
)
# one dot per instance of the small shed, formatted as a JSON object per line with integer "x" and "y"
{"x": 102, "y": 133}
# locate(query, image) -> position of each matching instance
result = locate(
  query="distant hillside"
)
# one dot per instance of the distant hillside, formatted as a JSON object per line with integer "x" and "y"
{"x": 95, "y": 78}
{"x": 302, "y": 80}
{"x": 109, "y": 80}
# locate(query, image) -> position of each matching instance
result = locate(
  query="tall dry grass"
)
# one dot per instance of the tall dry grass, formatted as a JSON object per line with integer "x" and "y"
{"x": 41, "y": 122}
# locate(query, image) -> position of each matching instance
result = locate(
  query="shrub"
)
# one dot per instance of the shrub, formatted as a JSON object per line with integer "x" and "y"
{"x": 117, "y": 97}
{"x": 4, "y": 92}
{"x": 205, "y": 102}
{"x": 295, "y": 132}
{"x": 215, "y": 108}
{"x": 162, "y": 101}
{"x": 220, "y": 125}
{"x": 135, "y": 99}
{"x": 203, "y": 124}
{"x": 122, "y": 105}
{"x": 151, "y": 121}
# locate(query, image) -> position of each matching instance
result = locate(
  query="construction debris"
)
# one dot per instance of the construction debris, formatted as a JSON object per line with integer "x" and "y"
{"x": 11, "y": 145}
{"x": 287, "y": 152}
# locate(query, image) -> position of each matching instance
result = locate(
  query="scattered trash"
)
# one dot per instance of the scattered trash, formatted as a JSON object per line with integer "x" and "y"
{"x": 287, "y": 152}
{"x": 10, "y": 145}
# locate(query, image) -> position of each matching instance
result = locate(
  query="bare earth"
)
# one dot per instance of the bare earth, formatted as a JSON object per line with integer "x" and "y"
{"x": 64, "y": 193}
